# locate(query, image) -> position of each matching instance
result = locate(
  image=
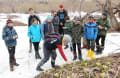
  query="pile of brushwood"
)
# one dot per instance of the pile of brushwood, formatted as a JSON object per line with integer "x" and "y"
{"x": 105, "y": 67}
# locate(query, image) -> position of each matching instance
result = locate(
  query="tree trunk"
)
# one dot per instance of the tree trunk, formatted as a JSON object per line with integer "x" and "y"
{"x": 113, "y": 21}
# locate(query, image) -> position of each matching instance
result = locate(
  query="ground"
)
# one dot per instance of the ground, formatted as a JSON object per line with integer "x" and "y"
{"x": 27, "y": 61}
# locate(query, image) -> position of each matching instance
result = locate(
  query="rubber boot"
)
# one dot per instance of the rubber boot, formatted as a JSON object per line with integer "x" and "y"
{"x": 89, "y": 51}
{"x": 92, "y": 55}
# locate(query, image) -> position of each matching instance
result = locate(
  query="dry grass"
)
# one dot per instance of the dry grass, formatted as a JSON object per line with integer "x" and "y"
{"x": 18, "y": 23}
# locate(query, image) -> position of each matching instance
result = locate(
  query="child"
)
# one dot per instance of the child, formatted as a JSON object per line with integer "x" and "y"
{"x": 34, "y": 32}
{"x": 9, "y": 35}
{"x": 76, "y": 33}
{"x": 55, "y": 21}
{"x": 90, "y": 33}
{"x": 48, "y": 26}
{"x": 52, "y": 41}
{"x": 68, "y": 24}
{"x": 31, "y": 17}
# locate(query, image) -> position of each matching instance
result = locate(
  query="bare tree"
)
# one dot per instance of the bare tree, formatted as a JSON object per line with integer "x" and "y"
{"x": 107, "y": 5}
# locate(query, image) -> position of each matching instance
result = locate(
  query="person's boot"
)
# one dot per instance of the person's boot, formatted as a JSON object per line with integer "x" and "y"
{"x": 39, "y": 67}
{"x": 98, "y": 50}
{"x": 92, "y": 54}
{"x": 11, "y": 67}
{"x": 74, "y": 58}
{"x": 66, "y": 46}
{"x": 89, "y": 51}
{"x": 37, "y": 55}
{"x": 102, "y": 48}
{"x": 16, "y": 64}
{"x": 80, "y": 57}
{"x": 30, "y": 50}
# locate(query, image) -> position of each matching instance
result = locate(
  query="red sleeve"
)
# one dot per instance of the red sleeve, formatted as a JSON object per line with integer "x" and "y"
{"x": 61, "y": 52}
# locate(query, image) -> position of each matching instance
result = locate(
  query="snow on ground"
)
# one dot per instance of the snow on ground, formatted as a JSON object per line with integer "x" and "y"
{"x": 27, "y": 61}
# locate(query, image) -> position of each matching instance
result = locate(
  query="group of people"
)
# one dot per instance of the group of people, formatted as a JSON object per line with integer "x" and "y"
{"x": 57, "y": 30}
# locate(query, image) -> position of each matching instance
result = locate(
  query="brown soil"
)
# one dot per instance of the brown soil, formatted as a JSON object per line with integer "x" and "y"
{"x": 105, "y": 67}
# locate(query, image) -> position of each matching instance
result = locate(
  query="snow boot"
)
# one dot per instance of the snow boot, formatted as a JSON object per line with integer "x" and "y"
{"x": 66, "y": 46}
{"x": 37, "y": 55}
{"x": 92, "y": 55}
{"x": 16, "y": 64}
{"x": 89, "y": 52}
{"x": 53, "y": 65}
{"x": 11, "y": 67}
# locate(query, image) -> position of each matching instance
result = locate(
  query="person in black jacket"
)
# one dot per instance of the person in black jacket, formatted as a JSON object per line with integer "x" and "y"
{"x": 31, "y": 17}
{"x": 62, "y": 13}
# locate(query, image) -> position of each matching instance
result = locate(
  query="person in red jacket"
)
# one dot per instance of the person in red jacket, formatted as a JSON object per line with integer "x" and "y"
{"x": 53, "y": 41}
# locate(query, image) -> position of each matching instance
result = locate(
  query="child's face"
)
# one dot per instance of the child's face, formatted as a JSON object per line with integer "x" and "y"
{"x": 90, "y": 20}
{"x": 76, "y": 22}
{"x": 67, "y": 20}
{"x": 49, "y": 20}
{"x": 103, "y": 17}
{"x": 65, "y": 42}
{"x": 61, "y": 9}
{"x": 10, "y": 24}
{"x": 31, "y": 12}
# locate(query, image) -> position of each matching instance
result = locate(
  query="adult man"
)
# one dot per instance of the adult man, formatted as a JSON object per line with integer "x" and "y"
{"x": 103, "y": 27}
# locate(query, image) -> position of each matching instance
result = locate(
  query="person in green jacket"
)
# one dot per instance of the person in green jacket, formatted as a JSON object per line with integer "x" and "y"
{"x": 76, "y": 34}
{"x": 103, "y": 27}
{"x": 68, "y": 24}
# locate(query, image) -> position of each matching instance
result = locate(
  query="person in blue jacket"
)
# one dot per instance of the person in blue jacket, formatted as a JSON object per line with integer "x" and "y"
{"x": 35, "y": 34}
{"x": 47, "y": 26}
{"x": 90, "y": 33}
{"x": 9, "y": 35}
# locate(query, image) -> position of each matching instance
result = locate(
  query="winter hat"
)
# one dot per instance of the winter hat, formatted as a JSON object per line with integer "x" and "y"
{"x": 67, "y": 38}
{"x": 76, "y": 19}
{"x": 49, "y": 17}
{"x": 105, "y": 14}
{"x": 9, "y": 21}
{"x": 61, "y": 6}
